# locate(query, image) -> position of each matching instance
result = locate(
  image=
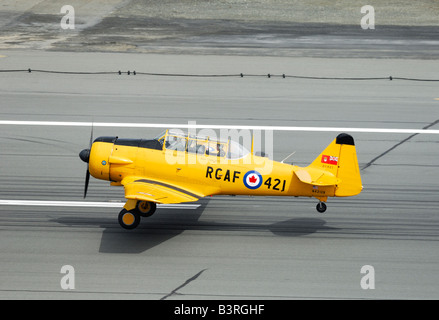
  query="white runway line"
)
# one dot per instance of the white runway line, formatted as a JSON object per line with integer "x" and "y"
{"x": 228, "y": 127}
{"x": 86, "y": 204}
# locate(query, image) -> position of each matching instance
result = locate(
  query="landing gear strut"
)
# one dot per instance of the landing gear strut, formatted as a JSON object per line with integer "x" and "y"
{"x": 129, "y": 216}
{"x": 321, "y": 207}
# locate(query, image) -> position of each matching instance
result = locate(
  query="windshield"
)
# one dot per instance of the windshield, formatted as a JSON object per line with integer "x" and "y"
{"x": 161, "y": 138}
{"x": 161, "y": 135}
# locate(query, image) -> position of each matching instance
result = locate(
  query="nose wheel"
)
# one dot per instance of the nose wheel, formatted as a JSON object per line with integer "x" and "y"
{"x": 321, "y": 207}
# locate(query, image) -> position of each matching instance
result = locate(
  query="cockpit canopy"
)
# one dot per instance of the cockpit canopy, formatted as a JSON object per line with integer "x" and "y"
{"x": 180, "y": 141}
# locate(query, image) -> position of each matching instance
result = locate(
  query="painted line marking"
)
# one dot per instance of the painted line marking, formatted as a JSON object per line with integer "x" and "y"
{"x": 198, "y": 126}
{"x": 40, "y": 203}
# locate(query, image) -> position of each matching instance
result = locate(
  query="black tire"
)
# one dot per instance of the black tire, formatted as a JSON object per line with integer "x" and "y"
{"x": 129, "y": 219}
{"x": 321, "y": 207}
{"x": 145, "y": 208}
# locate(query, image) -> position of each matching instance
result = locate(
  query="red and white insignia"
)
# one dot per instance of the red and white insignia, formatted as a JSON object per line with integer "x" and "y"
{"x": 329, "y": 160}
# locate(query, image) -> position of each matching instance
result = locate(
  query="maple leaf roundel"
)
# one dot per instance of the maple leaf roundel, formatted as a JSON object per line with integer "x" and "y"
{"x": 252, "y": 179}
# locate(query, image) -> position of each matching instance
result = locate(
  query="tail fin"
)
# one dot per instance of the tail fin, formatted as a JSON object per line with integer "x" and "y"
{"x": 340, "y": 159}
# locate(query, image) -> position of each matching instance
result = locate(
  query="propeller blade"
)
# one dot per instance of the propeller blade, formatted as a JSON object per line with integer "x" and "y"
{"x": 87, "y": 173}
{"x": 87, "y": 179}
{"x": 91, "y": 136}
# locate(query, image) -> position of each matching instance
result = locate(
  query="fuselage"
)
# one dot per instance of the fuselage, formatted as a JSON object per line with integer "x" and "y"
{"x": 115, "y": 159}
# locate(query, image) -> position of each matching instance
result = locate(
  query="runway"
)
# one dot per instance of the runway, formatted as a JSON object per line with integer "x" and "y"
{"x": 227, "y": 247}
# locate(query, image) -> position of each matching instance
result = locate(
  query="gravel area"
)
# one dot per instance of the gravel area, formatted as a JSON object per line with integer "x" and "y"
{"x": 406, "y": 29}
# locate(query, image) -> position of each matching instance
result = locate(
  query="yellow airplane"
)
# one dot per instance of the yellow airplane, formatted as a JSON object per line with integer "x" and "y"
{"x": 176, "y": 167}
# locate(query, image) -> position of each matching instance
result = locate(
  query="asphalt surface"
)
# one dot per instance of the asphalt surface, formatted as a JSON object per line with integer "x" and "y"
{"x": 319, "y": 28}
{"x": 229, "y": 247}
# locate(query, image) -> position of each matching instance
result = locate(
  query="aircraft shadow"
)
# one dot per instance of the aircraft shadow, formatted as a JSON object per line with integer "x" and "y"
{"x": 169, "y": 223}
{"x": 164, "y": 225}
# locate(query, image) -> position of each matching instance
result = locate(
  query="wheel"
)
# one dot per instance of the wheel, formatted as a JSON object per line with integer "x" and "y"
{"x": 129, "y": 219}
{"x": 321, "y": 207}
{"x": 146, "y": 208}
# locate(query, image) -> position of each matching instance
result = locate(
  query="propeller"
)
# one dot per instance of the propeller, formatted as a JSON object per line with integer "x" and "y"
{"x": 84, "y": 155}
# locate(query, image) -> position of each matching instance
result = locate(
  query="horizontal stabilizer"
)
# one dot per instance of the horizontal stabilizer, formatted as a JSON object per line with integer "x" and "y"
{"x": 316, "y": 177}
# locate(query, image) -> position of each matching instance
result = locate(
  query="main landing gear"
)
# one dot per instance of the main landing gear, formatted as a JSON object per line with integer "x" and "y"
{"x": 129, "y": 216}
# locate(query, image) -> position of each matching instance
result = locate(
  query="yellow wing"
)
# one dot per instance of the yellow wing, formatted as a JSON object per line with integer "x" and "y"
{"x": 139, "y": 188}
